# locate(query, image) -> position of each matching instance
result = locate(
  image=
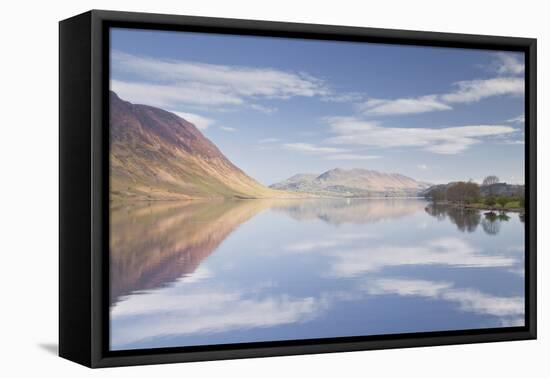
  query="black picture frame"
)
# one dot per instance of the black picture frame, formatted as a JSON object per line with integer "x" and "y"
{"x": 84, "y": 195}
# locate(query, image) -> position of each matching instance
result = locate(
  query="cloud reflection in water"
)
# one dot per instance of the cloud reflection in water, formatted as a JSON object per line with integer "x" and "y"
{"x": 183, "y": 273}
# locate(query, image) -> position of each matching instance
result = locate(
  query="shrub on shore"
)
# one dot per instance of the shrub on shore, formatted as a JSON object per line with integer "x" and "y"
{"x": 490, "y": 201}
{"x": 468, "y": 194}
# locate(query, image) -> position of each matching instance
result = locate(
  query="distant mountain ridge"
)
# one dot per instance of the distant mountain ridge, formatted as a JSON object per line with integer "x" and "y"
{"x": 355, "y": 182}
{"x": 156, "y": 155}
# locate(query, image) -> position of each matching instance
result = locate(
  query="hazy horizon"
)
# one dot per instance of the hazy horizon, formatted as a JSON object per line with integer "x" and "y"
{"x": 278, "y": 107}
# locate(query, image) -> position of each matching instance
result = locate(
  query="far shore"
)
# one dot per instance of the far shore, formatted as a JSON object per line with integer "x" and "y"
{"x": 306, "y": 196}
{"x": 480, "y": 206}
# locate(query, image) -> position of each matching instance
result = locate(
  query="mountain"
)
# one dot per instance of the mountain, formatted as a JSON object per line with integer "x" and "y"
{"x": 155, "y": 155}
{"x": 352, "y": 183}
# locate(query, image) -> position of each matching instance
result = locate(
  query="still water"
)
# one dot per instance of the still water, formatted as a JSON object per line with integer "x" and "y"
{"x": 196, "y": 273}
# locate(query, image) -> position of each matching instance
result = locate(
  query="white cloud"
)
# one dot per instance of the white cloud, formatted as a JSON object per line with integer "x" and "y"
{"x": 469, "y": 300}
{"x": 478, "y": 302}
{"x": 229, "y": 129}
{"x": 348, "y": 261}
{"x": 201, "y": 122}
{"x": 513, "y": 142}
{"x": 160, "y": 313}
{"x": 172, "y": 96}
{"x": 509, "y": 64}
{"x": 513, "y": 322}
{"x": 447, "y": 140}
{"x": 337, "y": 240}
{"x": 343, "y": 97}
{"x": 263, "y": 109}
{"x": 403, "y": 106}
{"x": 422, "y": 166}
{"x": 406, "y": 287}
{"x": 200, "y": 274}
{"x": 311, "y": 148}
{"x": 352, "y": 157}
{"x": 353, "y": 262}
{"x": 518, "y": 119}
{"x": 520, "y": 248}
{"x": 309, "y": 246}
{"x": 476, "y": 90}
{"x": 467, "y": 91}
{"x": 268, "y": 140}
{"x": 167, "y": 82}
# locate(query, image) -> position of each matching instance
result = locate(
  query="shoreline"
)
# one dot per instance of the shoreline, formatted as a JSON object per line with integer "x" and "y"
{"x": 481, "y": 208}
{"x": 242, "y": 198}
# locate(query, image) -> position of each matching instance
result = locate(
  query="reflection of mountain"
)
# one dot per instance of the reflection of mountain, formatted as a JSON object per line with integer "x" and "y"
{"x": 154, "y": 244}
{"x": 338, "y": 211}
{"x": 353, "y": 183}
{"x": 158, "y": 155}
{"x": 468, "y": 219}
{"x": 166, "y": 293}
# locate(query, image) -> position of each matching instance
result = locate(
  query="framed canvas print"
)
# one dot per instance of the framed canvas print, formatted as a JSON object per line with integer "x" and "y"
{"x": 233, "y": 188}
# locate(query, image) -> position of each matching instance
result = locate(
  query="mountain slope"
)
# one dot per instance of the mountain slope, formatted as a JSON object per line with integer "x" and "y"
{"x": 155, "y": 154}
{"x": 352, "y": 183}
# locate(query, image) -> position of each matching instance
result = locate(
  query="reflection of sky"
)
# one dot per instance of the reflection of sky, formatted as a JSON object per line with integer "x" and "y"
{"x": 277, "y": 277}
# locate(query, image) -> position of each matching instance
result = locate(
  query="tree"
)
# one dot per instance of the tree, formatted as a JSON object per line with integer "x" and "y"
{"x": 438, "y": 194}
{"x": 463, "y": 192}
{"x": 471, "y": 192}
{"x": 490, "y": 201}
{"x": 490, "y": 180}
{"x": 502, "y": 201}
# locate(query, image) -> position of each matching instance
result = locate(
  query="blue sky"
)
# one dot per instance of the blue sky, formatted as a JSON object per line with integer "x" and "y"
{"x": 277, "y": 106}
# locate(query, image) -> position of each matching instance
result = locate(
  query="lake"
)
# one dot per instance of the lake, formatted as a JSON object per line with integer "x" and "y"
{"x": 216, "y": 272}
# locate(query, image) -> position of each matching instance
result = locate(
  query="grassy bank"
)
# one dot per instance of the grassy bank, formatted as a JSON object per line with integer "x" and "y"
{"x": 512, "y": 205}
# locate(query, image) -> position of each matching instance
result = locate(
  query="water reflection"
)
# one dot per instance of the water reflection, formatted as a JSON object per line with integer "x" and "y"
{"x": 510, "y": 309}
{"x": 194, "y": 273}
{"x": 153, "y": 244}
{"x": 492, "y": 221}
{"x": 467, "y": 220}
{"x": 338, "y": 211}
{"x": 352, "y": 261}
